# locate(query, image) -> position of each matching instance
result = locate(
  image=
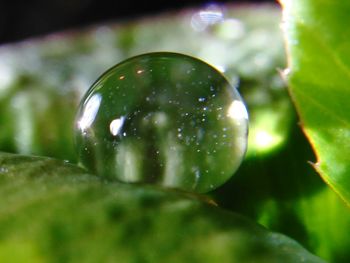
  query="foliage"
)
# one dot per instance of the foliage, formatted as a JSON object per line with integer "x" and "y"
{"x": 54, "y": 212}
{"x": 43, "y": 80}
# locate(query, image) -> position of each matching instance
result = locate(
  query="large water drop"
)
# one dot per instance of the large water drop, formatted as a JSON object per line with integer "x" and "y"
{"x": 163, "y": 118}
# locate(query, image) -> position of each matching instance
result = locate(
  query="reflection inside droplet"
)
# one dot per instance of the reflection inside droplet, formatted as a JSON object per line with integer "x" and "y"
{"x": 116, "y": 125}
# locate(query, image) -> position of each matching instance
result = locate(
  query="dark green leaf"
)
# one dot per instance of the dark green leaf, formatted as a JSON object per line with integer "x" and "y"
{"x": 54, "y": 212}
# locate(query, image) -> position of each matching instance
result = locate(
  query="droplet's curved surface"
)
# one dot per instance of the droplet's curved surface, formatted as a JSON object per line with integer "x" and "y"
{"x": 163, "y": 118}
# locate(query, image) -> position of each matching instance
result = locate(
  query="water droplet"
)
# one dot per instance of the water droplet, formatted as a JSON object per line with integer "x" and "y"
{"x": 165, "y": 117}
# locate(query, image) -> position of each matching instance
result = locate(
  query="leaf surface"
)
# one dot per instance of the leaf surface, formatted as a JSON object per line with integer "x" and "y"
{"x": 52, "y": 211}
{"x": 319, "y": 63}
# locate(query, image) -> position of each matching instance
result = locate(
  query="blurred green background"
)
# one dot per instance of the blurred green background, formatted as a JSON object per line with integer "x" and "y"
{"x": 43, "y": 79}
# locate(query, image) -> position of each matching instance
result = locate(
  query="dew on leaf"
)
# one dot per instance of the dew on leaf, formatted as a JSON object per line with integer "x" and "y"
{"x": 144, "y": 121}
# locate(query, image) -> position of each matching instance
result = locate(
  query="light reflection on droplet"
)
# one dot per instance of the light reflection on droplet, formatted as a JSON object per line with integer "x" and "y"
{"x": 237, "y": 111}
{"x": 221, "y": 68}
{"x": 139, "y": 71}
{"x": 90, "y": 112}
{"x": 116, "y": 125}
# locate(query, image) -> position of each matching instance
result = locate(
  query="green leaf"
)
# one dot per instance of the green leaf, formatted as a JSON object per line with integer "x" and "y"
{"x": 319, "y": 62}
{"x": 52, "y": 211}
{"x": 43, "y": 79}
{"x": 284, "y": 193}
